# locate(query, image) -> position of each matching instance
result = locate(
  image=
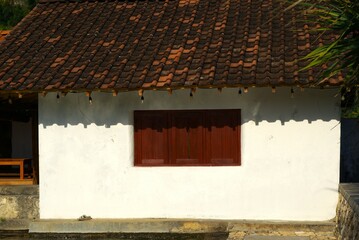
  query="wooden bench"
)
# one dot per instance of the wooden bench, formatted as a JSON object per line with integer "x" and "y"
{"x": 15, "y": 162}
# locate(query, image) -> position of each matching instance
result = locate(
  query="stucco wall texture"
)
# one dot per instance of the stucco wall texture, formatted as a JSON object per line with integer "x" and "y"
{"x": 289, "y": 171}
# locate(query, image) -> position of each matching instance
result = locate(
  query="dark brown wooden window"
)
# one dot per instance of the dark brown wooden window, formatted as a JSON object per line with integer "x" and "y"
{"x": 187, "y": 137}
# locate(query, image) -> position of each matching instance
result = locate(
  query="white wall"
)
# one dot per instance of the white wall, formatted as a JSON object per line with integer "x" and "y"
{"x": 289, "y": 171}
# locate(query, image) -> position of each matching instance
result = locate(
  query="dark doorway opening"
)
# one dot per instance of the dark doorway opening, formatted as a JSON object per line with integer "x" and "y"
{"x": 19, "y": 139}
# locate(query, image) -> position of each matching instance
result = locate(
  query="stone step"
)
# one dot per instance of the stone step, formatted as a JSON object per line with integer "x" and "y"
{"x": 173, "y": 229}
{"x": 174, "y": 226}
{"x": 114, "y": 236}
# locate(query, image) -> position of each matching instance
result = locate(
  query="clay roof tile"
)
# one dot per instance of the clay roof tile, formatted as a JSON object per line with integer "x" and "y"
{"x": 125, "y": 45}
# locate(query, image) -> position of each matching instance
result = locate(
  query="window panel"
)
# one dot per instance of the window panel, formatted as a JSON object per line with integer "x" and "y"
{"x": 222, "y": 137}
{"x": 151, "y": 141}
{"x": 187, "y": 137}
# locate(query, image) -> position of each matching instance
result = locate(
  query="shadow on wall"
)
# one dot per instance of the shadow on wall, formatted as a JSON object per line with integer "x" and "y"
{"x": 349, "y": 151}
{"x": 258, "y": 105}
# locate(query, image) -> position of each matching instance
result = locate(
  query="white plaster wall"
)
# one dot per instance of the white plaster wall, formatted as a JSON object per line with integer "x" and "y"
{"x": 289, "y": 171}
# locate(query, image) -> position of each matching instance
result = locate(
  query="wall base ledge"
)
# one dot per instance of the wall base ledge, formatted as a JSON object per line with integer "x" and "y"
{"x": 172, "y": 226}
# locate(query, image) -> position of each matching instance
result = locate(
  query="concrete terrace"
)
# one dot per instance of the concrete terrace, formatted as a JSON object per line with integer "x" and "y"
{"x": 172, "y": 229}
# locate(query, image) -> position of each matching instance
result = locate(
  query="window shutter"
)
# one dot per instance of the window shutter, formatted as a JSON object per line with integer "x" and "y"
{"x": 186, "y": 137}
{"x": 151, "y": 141}
{"x": 222, "y": 137}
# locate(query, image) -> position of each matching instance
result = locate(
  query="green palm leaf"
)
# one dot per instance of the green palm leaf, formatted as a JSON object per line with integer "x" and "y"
{"x": 341, "y": 56}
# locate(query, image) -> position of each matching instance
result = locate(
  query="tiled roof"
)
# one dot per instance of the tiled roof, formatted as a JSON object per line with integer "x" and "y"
{"x": 129, "y": 45}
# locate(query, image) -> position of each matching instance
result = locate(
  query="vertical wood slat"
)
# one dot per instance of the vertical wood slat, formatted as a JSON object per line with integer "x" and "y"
{"x": 151, "y": 141}
{"x": 222, "y": 138}
{"x": 186, "y": 137}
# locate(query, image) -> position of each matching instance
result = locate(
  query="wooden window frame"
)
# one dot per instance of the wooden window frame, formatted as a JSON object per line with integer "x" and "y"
{"x": 169, "y": 137}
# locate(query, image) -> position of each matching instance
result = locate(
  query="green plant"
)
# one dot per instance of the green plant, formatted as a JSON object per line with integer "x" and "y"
{"x": 12, "y": 12}
{"x": 339, "y": 58}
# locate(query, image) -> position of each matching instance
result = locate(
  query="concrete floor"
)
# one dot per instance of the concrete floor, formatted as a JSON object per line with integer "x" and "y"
{"x": 176, "y": 229}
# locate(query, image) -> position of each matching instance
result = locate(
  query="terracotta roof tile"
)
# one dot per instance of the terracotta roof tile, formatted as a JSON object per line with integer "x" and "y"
{"x": 127, "y": 45}
{"x": 3, "y": 34}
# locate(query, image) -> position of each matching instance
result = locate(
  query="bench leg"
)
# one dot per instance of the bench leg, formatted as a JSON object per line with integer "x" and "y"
{"x": 21, "y": 170}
